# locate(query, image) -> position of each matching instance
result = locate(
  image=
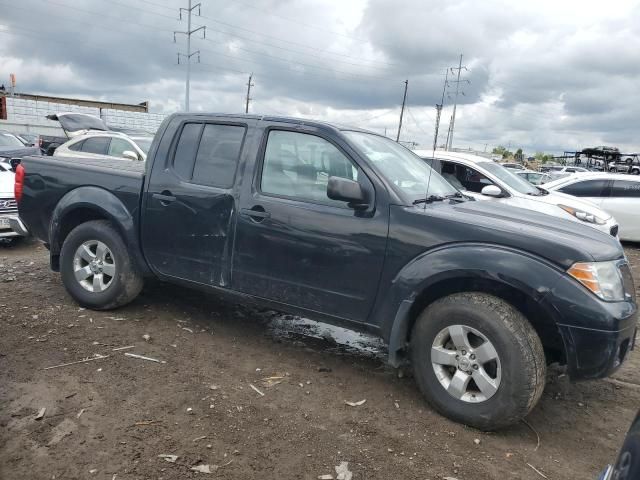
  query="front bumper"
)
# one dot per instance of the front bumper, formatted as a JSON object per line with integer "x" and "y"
{"x": 18, "y": 226}
{"x": 597, "y": 335}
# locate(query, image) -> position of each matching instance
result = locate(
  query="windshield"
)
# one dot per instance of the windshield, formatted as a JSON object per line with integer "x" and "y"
{"x": 408, "y": 172}
{"x": 8, "y": 140}
{"x": 512, "y": 180}
{"x": 143, "y": 143}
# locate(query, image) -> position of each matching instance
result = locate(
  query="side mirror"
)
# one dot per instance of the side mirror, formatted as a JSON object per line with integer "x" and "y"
{"x": 129, "y": 155}
{"x": 491, "y": 191}
{"x": 346, "y": 190}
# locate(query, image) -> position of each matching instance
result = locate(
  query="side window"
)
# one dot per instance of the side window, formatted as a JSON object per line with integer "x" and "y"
{"x": 586, "y": 188}
{"x": 97, "y": 145}
{"x": 218, "y": 155}
{"x": 299, "y": 165}
{"x": 471, "y": 179}
{"x": 118, "y": 146}
{"x": 185, "y": 155}
{"x": 571, "y": 170}
{"x": 448, "y": 171}
{"x": 625, "y": 188}
{"x": 76, "y": 147}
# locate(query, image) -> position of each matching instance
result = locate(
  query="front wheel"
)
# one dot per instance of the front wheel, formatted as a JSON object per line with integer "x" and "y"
{"x": 97, "y": 269}
{"x": 477, "y": 360}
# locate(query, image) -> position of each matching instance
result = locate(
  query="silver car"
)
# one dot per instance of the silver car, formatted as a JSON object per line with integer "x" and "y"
{"x": 106, "y": 145}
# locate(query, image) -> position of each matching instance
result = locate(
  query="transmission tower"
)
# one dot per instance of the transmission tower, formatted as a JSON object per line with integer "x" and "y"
{"x": 189, "y": 53}
{"x": 456, "y": 71}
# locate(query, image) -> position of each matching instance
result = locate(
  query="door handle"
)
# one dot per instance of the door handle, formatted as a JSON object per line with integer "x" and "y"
{"x": 256, "y": 213}
{"x": 165, "y": 197}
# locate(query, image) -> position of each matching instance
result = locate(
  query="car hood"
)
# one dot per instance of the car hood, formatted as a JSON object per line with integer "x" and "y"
{"x": 75, "y": 124}
{"x": 560, "y": 241}
{"x": 19, "y": 152}
{"x": 559, "y": 198}
{"x": 6, "y": 184}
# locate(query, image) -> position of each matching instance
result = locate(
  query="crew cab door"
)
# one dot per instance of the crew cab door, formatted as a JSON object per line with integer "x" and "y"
{"x": 189, "y": 203}
{"x": 296, "y": 246}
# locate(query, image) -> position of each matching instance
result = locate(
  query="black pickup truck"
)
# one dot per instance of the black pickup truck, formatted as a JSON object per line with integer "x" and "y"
{"x": 348, "y": 227}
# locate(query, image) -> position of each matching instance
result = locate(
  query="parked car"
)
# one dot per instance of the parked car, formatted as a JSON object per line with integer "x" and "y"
{"x": 12, "y": 147}
{"x": 566, "y": 171}
{"x": 105, "y": 145}
{"x": 617, "y": 194}
{"x": 487, "y": 180}
{"x": 627, "y": 466}
{"x": 73, "y": 124}
{"x": 8, "y": 206}
{"x": 629, "y": 164}
{"x": 349, "y": 227}
{"x": 533, "y": 177}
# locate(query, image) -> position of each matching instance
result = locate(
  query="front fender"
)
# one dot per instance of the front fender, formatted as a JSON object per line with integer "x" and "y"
{"x": 104, "y": 203}
{"x": 531, "y": 275}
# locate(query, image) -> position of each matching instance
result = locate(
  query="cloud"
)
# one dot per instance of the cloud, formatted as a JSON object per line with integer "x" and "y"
{"x": 544, "y": 76}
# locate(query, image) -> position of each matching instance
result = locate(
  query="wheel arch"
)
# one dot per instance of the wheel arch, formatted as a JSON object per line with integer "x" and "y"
{"x": 513, "y": 276}
{"x": 85, "y": 204}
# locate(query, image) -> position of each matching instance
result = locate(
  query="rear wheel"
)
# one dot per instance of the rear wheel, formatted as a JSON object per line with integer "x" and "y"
{"x": 96, "y": 267}
{"x": 477, "y": 360}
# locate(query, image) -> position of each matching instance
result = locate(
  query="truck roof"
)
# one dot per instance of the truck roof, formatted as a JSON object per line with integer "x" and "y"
{"x": 276, "y": 118}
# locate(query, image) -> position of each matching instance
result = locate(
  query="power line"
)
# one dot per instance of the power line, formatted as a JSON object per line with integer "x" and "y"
{"x": 229, "y": 25}
{"x": 189, "y": 53}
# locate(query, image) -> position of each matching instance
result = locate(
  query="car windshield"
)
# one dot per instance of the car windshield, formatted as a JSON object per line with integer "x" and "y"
{"x": 143, "y": 143}
{"x": 512, "y": 180}
{"x": 405, "y": 170}
{"x": 8, "y": 140}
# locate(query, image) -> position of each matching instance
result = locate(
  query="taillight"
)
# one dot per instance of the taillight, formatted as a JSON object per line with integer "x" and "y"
{"x": 18, "y": 185}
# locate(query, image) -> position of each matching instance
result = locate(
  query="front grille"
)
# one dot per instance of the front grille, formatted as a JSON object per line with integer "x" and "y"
{"x": 614, "y": 230}
{"x": 8, "y": 205}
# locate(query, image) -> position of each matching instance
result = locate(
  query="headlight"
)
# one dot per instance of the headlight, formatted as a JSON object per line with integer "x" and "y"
{"x": 602, "y": 278}
{"x": 582, "y": 215}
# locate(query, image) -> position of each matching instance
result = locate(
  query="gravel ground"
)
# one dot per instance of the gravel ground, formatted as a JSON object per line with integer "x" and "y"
{"x": 112, "y": 417}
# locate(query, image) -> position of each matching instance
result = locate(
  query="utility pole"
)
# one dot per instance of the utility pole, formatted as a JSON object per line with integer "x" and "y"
{"x": 448, "y": 133}
{"x": 455, "y": 102}
{"x": 189, "y": 54}
{"x": 249, "y": 85}
{"x": 439, "y": 109}
{"x": 404, "y": 101}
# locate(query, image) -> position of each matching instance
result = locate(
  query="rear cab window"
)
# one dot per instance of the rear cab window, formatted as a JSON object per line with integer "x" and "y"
{"x": 208, "y": 153}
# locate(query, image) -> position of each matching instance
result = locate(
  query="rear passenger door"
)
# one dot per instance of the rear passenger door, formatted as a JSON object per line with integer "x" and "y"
{"x": 189, "y": 203}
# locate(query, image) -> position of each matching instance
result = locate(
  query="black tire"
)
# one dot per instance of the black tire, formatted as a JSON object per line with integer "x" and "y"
{"x": 125, "y": 284}
{"x": 522, "y": 360}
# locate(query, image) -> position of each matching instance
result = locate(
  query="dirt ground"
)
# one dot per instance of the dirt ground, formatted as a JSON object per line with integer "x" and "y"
{"x": 112, "y": 417}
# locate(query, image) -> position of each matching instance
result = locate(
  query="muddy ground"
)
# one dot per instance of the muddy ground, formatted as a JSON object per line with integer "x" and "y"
{"x": 112, "y": 417}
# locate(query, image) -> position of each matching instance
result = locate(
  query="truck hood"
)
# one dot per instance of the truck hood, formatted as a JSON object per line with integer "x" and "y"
{"x": 560, "y": 241}
{"x": 19, "y": 152}
{"x": 75, "y": 124}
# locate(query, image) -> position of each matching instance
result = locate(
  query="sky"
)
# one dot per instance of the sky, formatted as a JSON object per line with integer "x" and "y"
{"x": 543, "y": 76}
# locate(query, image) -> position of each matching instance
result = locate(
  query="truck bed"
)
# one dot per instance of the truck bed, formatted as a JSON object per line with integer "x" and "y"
{"x": 58, "y": 176}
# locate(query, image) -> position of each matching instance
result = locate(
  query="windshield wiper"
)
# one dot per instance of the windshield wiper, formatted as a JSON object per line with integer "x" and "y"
{"x": 458, "y": 196}
{"x": 430, "y": 199}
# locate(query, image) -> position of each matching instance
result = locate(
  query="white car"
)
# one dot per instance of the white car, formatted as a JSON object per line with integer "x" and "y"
{"x": 8, "y": 205}
{"x": 106, "y": 146}
{"x": 484, "y": 179}
{"x": 566, "y": 171}
{"x": 615, "y": 193}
